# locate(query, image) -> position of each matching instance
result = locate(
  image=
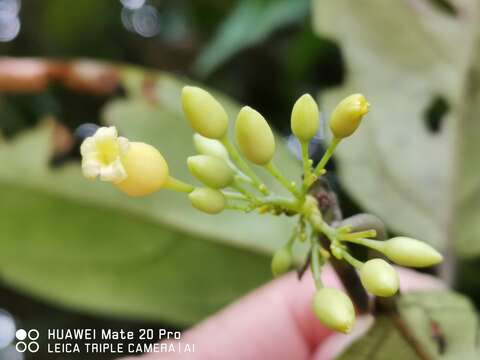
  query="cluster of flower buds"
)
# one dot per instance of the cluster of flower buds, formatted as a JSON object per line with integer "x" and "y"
{"x": 228, "y": 181}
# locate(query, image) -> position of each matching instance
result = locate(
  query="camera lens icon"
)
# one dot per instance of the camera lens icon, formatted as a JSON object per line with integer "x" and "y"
{"x": 27, "y": 340}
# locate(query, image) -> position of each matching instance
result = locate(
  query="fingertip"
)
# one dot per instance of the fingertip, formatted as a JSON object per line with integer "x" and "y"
{"x": 411, "y": 280}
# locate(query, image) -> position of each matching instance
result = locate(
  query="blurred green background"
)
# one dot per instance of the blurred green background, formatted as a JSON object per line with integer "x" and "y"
{"x": 75, "y": 254}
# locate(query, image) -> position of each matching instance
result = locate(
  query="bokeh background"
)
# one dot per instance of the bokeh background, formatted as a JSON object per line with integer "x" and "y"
{"x": 79, "y": 255}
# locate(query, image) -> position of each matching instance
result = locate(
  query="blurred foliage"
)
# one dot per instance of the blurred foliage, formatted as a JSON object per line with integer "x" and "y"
{"x": 425, "y": 314}
{"x": 281, "y": 59}
{"x": 249, "y": 23}
{"x": 414, "y": 161}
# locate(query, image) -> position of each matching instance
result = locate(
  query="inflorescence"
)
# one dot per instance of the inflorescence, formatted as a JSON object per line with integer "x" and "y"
{"x": 229, "y": 182}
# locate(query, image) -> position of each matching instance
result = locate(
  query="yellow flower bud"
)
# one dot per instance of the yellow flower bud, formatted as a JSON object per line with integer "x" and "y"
{"x": 212, "y": 147}
{"x": 254, "y": 136}
{"x": 347, "y": 115}
{"x": 305, "y": 118}
{"x": 206, "y": 115}
{"x": 208, "y": 200}
{"x": 211, "y": 171}
{"x": 334, "y": 309}
{"x": 146, "y": 169}
{"x": 379, "y": 278}
{"x": 410, "y": 252}
{"x": 282, "y": 261}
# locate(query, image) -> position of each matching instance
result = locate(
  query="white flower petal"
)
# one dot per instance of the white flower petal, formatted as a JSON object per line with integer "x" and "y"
{"x": 105, "y": 133}
{"x": 115, "y": 172}
{"x": 123, "y": 144}
{"x": 101, "y": 155}
{"x": 88, "y": 146}
{"x": 91, "y": 168}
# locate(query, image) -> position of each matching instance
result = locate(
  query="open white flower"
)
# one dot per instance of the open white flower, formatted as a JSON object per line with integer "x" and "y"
{"x": 101, "y": 155}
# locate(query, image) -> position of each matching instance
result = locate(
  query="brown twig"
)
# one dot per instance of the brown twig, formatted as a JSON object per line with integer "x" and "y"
{"x": 388, "y": 307}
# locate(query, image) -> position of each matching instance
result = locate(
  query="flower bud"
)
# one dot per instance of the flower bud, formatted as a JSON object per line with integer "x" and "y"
{"x": 212, "y": 147}
{"x": 254, "y": 136}
{"x": 334, "y": 309}
{"x": 205, "y": 114}
{"x": 208, "y": 200}
{"x": 410, "y": 252}
{"x": 305, "y": 118}
{"x": 146, "y": 169}
{"x": 347, "y": 115}
{"x": 379, "y": 278}
{"x": 282, "y": 261}
{"x": 211, "y": 171}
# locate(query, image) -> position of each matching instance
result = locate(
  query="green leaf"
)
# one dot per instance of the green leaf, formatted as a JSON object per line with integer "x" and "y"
{"x": 85, "y": 245}
{"x": 251, "y": 22}
{"x": 423, "y": 183}
{"x": 382, "y": 341}
{"x": 425, "y": 315}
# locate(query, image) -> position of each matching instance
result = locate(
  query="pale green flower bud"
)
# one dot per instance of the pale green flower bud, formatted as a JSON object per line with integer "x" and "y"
{"x": 305, "y": 118}
{"x": 282, "y": 261}
{"x": 379, "y": 278}
{"x": 206, "y": 115}
{"x": 254, "y": 136}
{"x": 410, "y": 252}
{"x": 212, "y": 147}
{"x": 211, "y": 171}
{"x": 146, "y": 169}
{"x": 347, "y": 115}
{"x": 334, "y": 309}
{"x": 208, "y": 200}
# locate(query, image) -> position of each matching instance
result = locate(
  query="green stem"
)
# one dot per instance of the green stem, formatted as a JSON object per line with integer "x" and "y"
{"x": 280, "y": 201}
{"x": 307, "y": 167}
{"x": 178, "y": 185}
{"x": 238, "y": 161}
{"x": 238, "y": 207}
{"x": 328, "y": 154}
{"x": 322, "y": 226}
{"x": 243, "y": 178}
{"x": 239, "y": 174}
{"x": 235, "y": 196}
{"x": 251, "y": 197}
{"x": 290, "y": 186}
{"x": 355, "y": 235}
{"x": 351, "y": 260}
{"x": 372, "y": 244}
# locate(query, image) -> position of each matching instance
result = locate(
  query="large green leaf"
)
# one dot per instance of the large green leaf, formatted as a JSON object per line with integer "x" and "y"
{"x": 249, "y": 23}
{"x": 83, "y": 244}
{"x": 406, "y": 56}
{"x": 427, "y": 316}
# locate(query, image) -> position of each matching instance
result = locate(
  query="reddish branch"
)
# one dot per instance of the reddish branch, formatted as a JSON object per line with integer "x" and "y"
{"x": 20, "y": 75}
